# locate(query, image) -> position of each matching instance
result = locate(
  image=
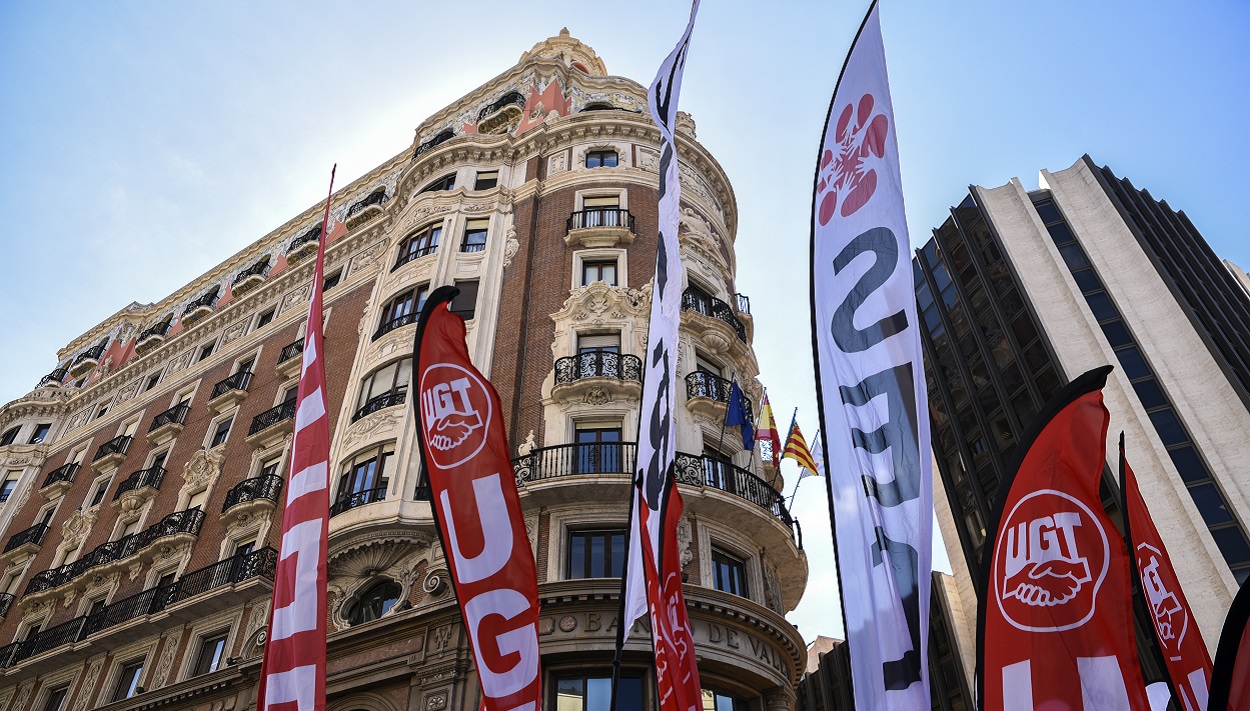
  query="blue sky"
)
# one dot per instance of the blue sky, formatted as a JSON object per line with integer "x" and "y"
{"x": 145, "y": 142}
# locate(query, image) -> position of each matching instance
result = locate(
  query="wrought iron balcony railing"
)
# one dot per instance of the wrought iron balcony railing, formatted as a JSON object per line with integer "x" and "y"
{"x": 351, "y": 500}
{"x": 92, "y": 353}
{"x": 207, "y": 300}
{"x": 6, "y": 601}
{"x": 290, "y": 351}
{"x": 429, "y": 145}
{"x": 56, "y": 377}
{"x": 152, "y": 476}
{"x": 598, "y": 364}
{"x": 697, "y": 301}
{"x": 261, "y": 487}
{"x": 159, "y": 329}
{"x": 188, "y": 521}
{"x": 601, "y": 217}
{"x": 312, "y": 235}
{"x": 743, "y": 303}
{"x": 117, "y": 445}
{"x": 387, "y": 399}
{"x": 374, "y": 198}
{"x": 412, "y": 254}
{"x": 239, "y": 381}
{"x": 175, "y": 415}
{"x": 715, "y": 473}
{"x": 272, "y": 416}
{"x": 572, "y": 459}
{"x": 395, "y": 323}
{"x": 701, "y": 383}
{"x": 260, "y": 269}
{"x": 34, "y": 534}
{"x": 512, "y": 98}
{"x": 65, "y": 472}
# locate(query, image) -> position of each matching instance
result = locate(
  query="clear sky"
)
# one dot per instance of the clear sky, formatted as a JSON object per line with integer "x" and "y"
{"x": 145, "y": 142}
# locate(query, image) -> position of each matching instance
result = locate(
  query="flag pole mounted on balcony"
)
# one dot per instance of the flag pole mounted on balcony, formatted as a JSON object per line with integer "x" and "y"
{"x": 293, "y": 673}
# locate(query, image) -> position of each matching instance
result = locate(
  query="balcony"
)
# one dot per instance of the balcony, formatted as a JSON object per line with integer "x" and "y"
{"x": 288, "y": 358}
{"x": 116, "y": 554}
{"x": 230, "y": 392}
{"x": 600, "y": 227}
{"x": 251, "y": 497}
{"x": 365, "y": 210}
{"x": 303, "y": 245}
{"x": 351, "y": 500}
{"x": 575, "y": 459}
{"x": 138, "y": 488}
{"x": 250, "y": 278}
{"x": 597, "y": 377}
{"x": 501, "y": 112}
{"x": 6, "y": 601}
{"x": 86, "y": 360}
{"x": 111, "y": 453}
{"x": 24, "y": 543}
{"x": 395, "y": 323}
{"x": 389, "y": 399}
{"x": 231, "y": 581}
{"x": 167, "y": 424}
{"x": 200, "y": 308}
{"x": 58, "y": 480}
{"x": 271, "y": 425}
{"x": 54, "y": 379}
{"x": 707, "y": 472}
{"x": 713, "y": 310}
{"x": 708, "y": 394}
{"x": 153, "y": 336}
{"x": 442, "y": 137}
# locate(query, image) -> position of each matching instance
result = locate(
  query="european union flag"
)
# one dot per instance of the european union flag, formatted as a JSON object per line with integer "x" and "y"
{"x": 738, "y": 415}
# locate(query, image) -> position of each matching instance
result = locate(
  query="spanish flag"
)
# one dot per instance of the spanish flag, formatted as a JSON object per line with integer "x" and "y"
{"x": 767, "y": 432}
{"x": 796, "y": 448}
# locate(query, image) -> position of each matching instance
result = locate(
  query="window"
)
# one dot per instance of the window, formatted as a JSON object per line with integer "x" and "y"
{"x": 390, "y": 379}
{"x": 128, "y": 681}
{"x": 599, "y": 343}
{"x": 129, "y": 529}
{"x": 596, "y": 554}
{"x": 602, "y": 211}
{"x": 465, "y": 303}
{"x": 158, "y": 460}
{"x": 56, "y": 699}
{"x": 265, "y": 318}
{"x": 6, "y": 489}
{"x": 100, "y": 490}
{"x": 270, "y": 467}
{"x": 9, "y": 436}
{"x": 599, "y": 450}
{"x": 222, "y": 432}
{"x": 41, "y": 433}
{"x": 366, "y": 472}
{"x": 206, "y": 351}
{"x": 714, "y": 700}
{"x": 704, "y": 365}
{"x": 292, "y": 392}
{"x": 594, "y": 693}
{"x": 245, "y": 547}
{"x": 601, "y": 159}
{"x": 152, "y": 382}
{"x": 729, "y": 573}
{"x": 447, "y": 182}
{"x": 604, "y": 271}
{"x": 403, "y": 309}
{"x": 212, "y": 653}
{"x": 419, "y": 244}
{"x": 45, "y": 516}
{"x": 486, "y": 179}
{"x": 103, "y": 411}
{"x": 474, "y": 235}
{"x": 332, "y": 280}
{"x": 197, "y": 500}
{"x": 375, "y": 602}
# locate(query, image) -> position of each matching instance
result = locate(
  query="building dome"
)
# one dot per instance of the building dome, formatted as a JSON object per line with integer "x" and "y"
{"x": 569, "y": 50}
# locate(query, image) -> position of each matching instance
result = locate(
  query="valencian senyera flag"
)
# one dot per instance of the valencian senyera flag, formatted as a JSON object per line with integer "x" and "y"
{"x": 870, "y": 384}
{"x": 796, "y": 448}
{"x": 1184, "y": 652}
{"x": 1230, "y": 677}
{"x": 1055, "y": 621}
{"x": 767, "y": 432}
{"x": 464, "y": 449}
{"x": 293, "y": 673}
{"x": 652, "y": 578}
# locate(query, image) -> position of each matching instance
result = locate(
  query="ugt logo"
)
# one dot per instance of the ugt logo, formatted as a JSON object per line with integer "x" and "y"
{"x": 456, "y": 412}
{"x": 1170, "y": 618}
{"x": 1050, "y": 562}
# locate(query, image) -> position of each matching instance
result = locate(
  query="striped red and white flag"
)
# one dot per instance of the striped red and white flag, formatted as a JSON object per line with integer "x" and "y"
{"x": 293, "y": 674}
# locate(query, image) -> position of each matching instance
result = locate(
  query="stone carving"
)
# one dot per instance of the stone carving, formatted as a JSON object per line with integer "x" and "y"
{"x": 379, "y": 422}
{"x": 437, "y": 702}
{"x": 527, "y": 446}
{"x": 597, "y": 396}
{"x": 648, "y": 160}
{"x": 557, "y": 163}
{"x": 295, "y": 298}
{"x": 694, "y": 181}
{"x": 168, "y": 653}
{"x": 235, "y": 331}
{"x": 441, "y": 640}
{"x": 422, "y": 213}
{"x": 510, "y": 248}
{"x": 23, "y": 693}
{"x": 772, "y": 587}
{"x": 685, "y": 536}
{"x": 435, "y": 583}
{"x": 368, "y": 256}
{"x": 260, "y": 613}
{"x": 204, "y": 467}
{"x": 87, "y": 686}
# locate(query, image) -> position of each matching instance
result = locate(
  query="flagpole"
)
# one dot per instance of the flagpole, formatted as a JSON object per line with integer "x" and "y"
{"x": 720, "y": 446}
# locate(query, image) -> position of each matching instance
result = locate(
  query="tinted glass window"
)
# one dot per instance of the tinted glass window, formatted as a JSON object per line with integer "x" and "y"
{"x": 1168, "y": 427}
{"x": 1117, "y": 333}
{"x": 1101, "y": 305}
{"x": 1087, "y": 280}
{"x": 1210, "y": 504}
{"x": 1074, "y": 256}
{"x": 1188, "y": 463}
{"x": 1131, "y": 360}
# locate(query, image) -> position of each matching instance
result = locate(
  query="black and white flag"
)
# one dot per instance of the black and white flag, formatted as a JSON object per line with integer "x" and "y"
{"x": 871, "y": 385}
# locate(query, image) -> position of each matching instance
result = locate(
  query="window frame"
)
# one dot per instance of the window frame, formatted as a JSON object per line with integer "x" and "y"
{"x": 440, "y": 184}
{"x": 423, "y": 242}
{"x": 732, "y": 558}
{"x": 130, "y": 689}
{"x": 478, "y": 179}
{"x": 473, "y": 228}
{"x": 590, "y": 536}
{"x": 219, "y": 655}
{"x": 42, "y": 430}
{"x": 216, "y": 432}
{"x": 600, "y": 156}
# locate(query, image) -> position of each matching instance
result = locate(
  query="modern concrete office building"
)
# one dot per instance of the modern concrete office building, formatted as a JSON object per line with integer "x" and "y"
{"x": 142, "y": 475}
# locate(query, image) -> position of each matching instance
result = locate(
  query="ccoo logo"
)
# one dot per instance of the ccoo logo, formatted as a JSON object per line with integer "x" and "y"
{"x": 1050, "y": 560}
{"x": 456, "y": 411}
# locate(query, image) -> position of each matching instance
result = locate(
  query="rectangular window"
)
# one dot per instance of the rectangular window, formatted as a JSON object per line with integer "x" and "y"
{"x": 265, "y": 318}
{"x": 474, "y": 235}
{"x": 6, "y": 489}
{"x": 594, "y": 693}
{"x": 9, "y": 436}
{"x": 197, "y": 500}
{"x": 128, "y": 681}
{"x": 291, "y": 393}
{"x": 130, "y": 529}
{"x": 599, "y": 343}
{"x": 604, "y": 271}
{"x": 729, "y": 573}
{"x": 720, "y": 701}
{"x": 596, "y": 554}
{"x": 332, "y": 280}
{"x": 270, "y": 467}
{"x": 212, "y": 653}
{"x": 41, "y": 433}
{"x": 103, "y": 411}
{"x": 206, "y": 351}
{"x": 46, "y": 516}
{"x": 419, "y": 244}
{"x": 222, "y": 432}
{"x": 486, "y": 179}
{"x": 602, "y": 211}
{"x": 56, "y": 699}
{"x": 599, "y": 450}
{"x": 152, "y": 382}
{"x": 601, "y": 159}
{"x": 244, "y": 366}
{"x": 100, "y": 490}
{"x": 367, "y": 472}
{"x": 465, "y": 303}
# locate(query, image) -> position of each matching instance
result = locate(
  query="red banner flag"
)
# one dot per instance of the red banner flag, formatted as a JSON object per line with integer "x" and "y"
{"x": 1055, "y": 623}
{"x": 465, "y": 452}
{"x": 293, "y": 673}
{"x": 1180, "y": 641}
{"x": 1230, "y": 678}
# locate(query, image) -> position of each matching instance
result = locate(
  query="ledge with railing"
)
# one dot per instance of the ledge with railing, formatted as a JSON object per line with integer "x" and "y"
{"x": 150, "y": 477}
{"x": 272, "y": 416}
{"x": 91, "y": 354}
{"x": 56, "y": 377}
{"x": 303, "y": 245}
{"x": 387, "y": 399}
{"x": 6, "y": 601}
{"x": 158, "y": 330}
{"x": 599, "y": 227}
{"x": 175, "y": 415}
{"x": 206, "y": 301}
{"x": 388, "y": 326}
{"x": 512, "y": 98}
{"x": 231, "y": 571}
{"x": 442, "y": 137}
{"x": 64, "y": 473}
{"x": 712, "y": 307}
{"x": 259, "y": 269}
{"x": 188, "y": 522}
{"x": 712, "y": 473}
{"x": 350, "y": 500}
{"x": 598, "y": 364}
{"x": 378, "y": 197}
{"x": 261, "y": 487}
{"x": 412, "y": 254}
{"x": 290, "y": 350}
{"x": 239, "y": 381}
{"x": 118, "y": 446}
{"x": 33, "y": 535}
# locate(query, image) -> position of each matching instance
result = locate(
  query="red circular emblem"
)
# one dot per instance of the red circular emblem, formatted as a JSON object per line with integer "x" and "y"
{"x": 456, "y": 411}
{"x": 846, "y": 177}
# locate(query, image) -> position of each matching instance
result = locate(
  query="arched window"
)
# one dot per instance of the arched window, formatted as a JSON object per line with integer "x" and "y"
{"x": 403, "y": 309}
{"x": 385, "y": 387}
{"x": 447, "y": 182}
{"x": 419, "y": 244}
{"x": 365, "y": 479}
{"x": 601, "y": 159}
{"x": 375, "y": 602}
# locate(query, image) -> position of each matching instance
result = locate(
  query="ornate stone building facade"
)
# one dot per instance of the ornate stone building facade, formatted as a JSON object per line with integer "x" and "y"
{"x": 141, "y": 476}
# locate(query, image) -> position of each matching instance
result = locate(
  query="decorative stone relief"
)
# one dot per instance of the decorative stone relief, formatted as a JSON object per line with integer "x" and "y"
{"x": 436, "y": 702}
{"x": 87, "y": 686}
{"x": 295, "y": 298}
{"x": 422, "y": 214}
{"x": 694, "y": 181}
{"x": 260, "y": 613}
{"x": 368, "y": 256}
{"x": 557, "y": 163}
{"x": 235, "y": 331}
{"x": 435, "y": 583}
{"x": 169, "y": 651}
{"x": 441, "y": 640}
{"x": 204, "y": 467}
{"x": 378, "y": 423}
{"x": 685, "y": 536}
{"x": 179, "y": 362}
{"x": 648, "y": 160}
{"x": 524, "y": 449}
{"x": 511, "y": 247}
{"x": 23, "y": 693}
{"x": 597, "y": 396}
{"x": 772, "y": 588}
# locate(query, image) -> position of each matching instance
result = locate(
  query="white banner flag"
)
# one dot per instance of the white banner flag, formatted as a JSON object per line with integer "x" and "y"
{"x": 871, "y": 386}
